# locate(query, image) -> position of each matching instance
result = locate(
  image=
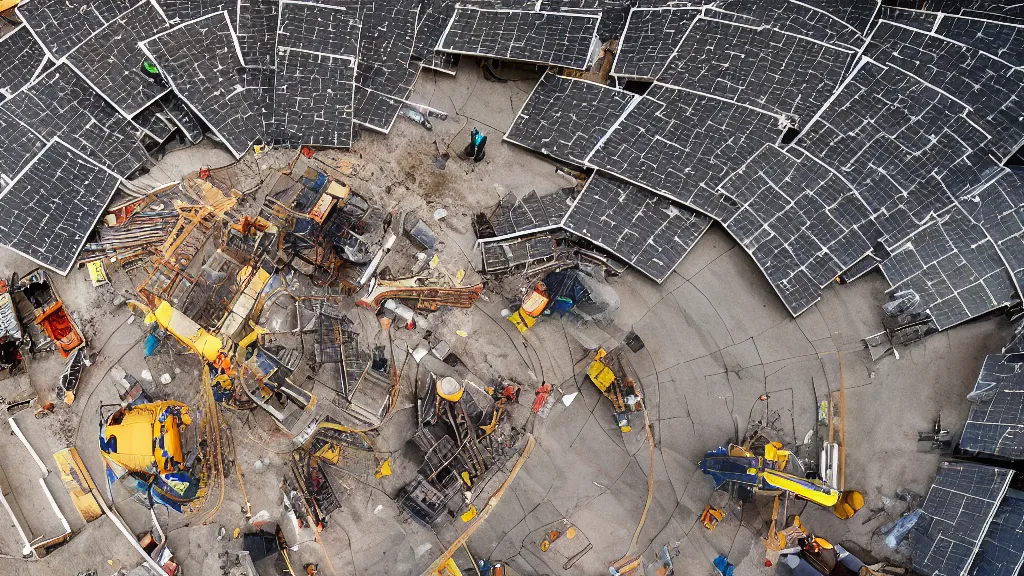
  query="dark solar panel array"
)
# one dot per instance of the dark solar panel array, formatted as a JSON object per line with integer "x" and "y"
{"x": 384, "y": 75}
{"x": 683, "y": 144}
{"x": 152, "y": 120}
{"x": 955, "y": 269}
{"x": 800, "y": 221}
{"x": 23, "y": 59}
{"x": 1002, "y": 548}
{"x": 955, "y": 516}
{"x": 433, "y": 19}
{"x": 180, "y": 11}
{"x": 795, "y": 17}
{"x": 648, "y": 231}
{"x": 1004, "y": 41}
{"x": 558, "y": 39}
{"x": 999, "y": 209}
{"x": 61, "y": 25}
{"x": 20, "y": 145}
{"x": 314, "y": 82}
{"x": 111, "y": 59}
{"x": 995, "y": 425}
{"x": 565, "y": 118}
{"x": 650, "y": 38}
{"x": 183, "y": 117}
{"x": 60, "y": 104}
{"x": 54, "y": 205}
{"x": 257, "y": 32}
{"x": 502, "y": 255}
{"x": 259, "y": 93}
{"x": 517, "y": 216}
{"x": 761, "y": 67}
{"x": 920, "y": 19}
{"x": 200, "y": 60}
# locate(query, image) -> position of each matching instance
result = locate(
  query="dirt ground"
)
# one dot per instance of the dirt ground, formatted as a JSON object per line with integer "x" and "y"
{"x": 716, "y": 339}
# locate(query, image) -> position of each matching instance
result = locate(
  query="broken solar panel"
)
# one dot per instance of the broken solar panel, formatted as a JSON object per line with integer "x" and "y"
{"x": 999, "y": 209}
{"x": 800, "y": 221}
{"x": 797, "y": 17}
{"x": 434, "y": 17}
{"x": 557, "y": 39}
{"x": 61, "y": 104}
{"x": 504, "y": 255}
{"x": 906, "y": 148}
{"x": 259, "y": 93}
{"x": 650, "y": 38}
{"x": 532, "y": 213}
{"x": 180, "y": 11}
{"x": 761, "y": 67}
{"x": 565, "y": 118}
{"x": 650, "y": 232}
{"x": 111, "y": 60}
{"x": 23, "y": 60}
{"x": 992, "y": 88}
{"x": 200, "y": 60}
{"x": 384, "y": 74}
{"x": 682, "y": 145}
{"x": 1001, "y": 40}
{"x": 52, "y": 207}
{"x": 1002, "y": 548}
{"x": 20, "y": 146}
{"x": 257, "y": 32}
{"x": 61, "y": 25}
{"x": 954, "y": 268}
{"x": 315, "y": 75}
{"x": 180, "y": 114}
{"x": 155, "y": 121}
{"x": 920, "y": 19}
{"x": 955, "y": 516}
{"x": 995, "y": 425}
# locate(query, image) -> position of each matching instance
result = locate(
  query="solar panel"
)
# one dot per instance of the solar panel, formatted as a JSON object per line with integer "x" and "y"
{"x": 682, "y": 145}
{"x": 800, "y": 221}
{"x": 648, "y": 231}
{"x": 801, "y": 18}
{"x": 907, "y": 175}
{"x": 314, "y": 82}
{"x": 61, "y": 25}
{"x": 257, "y": 32}
{"x": 649, "y": 39}
{"x": 1000, "y": 40}
{"x": 955, "y": 269}
{"x": 565, "y": 118}
{"x": 60, "y": 104}
{"x": 995, "y": 425}
{"x": 991, "y": 88}
{"x": 920, "y": 19}
{"x": 516, "y": 216}
{"x": 20, "y": 146}
{"x": 1002, "y": 548}
{"x": 23, "y": 59}
{"x": 503, "y": 255}
{"x": 183, "y": 117}
{"x": 53, "y": 206}
{"x": 999, "y": 209}
{"x": 433, "y": 19}
{"x": 384, "y": 75}
{"x": 557, "y": 39}
{"x": 955, "y": 516}
{"x": 200, "y": 60}
{"x": 180, "y": 11}
{"x": 155, "y": 122}
{"x": 110, "y": 60}
{"x": 762, "y": 67}
{"x": 259, "y": 93}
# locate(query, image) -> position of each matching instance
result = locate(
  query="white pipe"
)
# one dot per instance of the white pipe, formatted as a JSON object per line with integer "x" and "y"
{"x": 27, "y": 550}
{"x": 56, "y": 510}
{"x": 17, "y": 432}
{"x": 116, "y": 519}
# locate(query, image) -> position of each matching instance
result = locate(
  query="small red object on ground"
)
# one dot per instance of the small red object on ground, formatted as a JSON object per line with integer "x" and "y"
{"x": 542, "y": 396}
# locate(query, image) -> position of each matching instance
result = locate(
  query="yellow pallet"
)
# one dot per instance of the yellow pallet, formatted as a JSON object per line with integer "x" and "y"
{"x": 78, "y": 483}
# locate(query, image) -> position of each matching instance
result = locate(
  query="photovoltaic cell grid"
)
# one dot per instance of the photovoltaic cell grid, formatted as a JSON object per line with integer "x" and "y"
{"x": 955, "y": 269}
{"x": 995, "y": 425}
{"x": 800, "y": 221}
{"x": 650, "y": 38}
{"x": 183, "y": 117}
{"x": 955, "y": 516}
{"x": 151, "y": 120}
{"x": 54, "y": 205}
{"x": 433, "y": 19}
{"x": 920, "y": 19}
{"x": 1004, "y": 41}
{"x": 60, "y": 104}
{"x": 565, "y": 118}
{"x": 801, "y": 19}
{"x": 557, "y": 39}
{"x": 111, "y": 59}
{"x": 1002, "y": 548}
{"x": 257, "y": 32}
{"x": 903, "y": 175}
{"x": 200, "y": 60}
{"x": 319, "y": 28}
{"x": 23, "y": 59}
{"x": 999, "y": 209}
{"x": 180, "y": 11}
{"x": 259, "y": 93}
{"x": 503, "y": 255}
{"x": 532, "y": 213}
{"x": 992, "y": 88}
{"x": 682, "y": 145}
{"x": 61, "y": 25}
{"x": 761, "y": 67}
{"x": 384, "y": 75}
{"x": 650, "y": 232}
{"x": 20, "y": 146}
